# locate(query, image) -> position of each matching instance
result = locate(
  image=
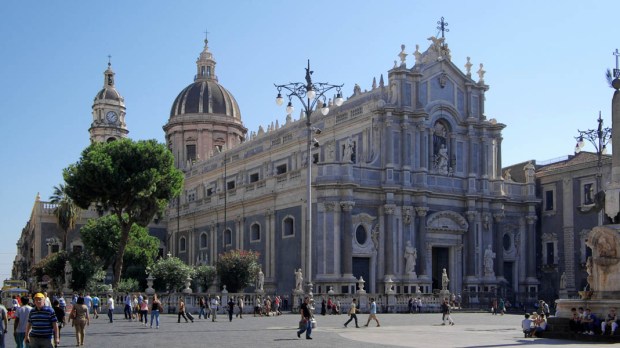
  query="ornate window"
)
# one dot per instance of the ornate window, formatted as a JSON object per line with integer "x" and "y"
{"x": 549, "y": 200}
{"x": 361, "y": 235}
{"x": 587, "y": 192}
{"x": 255, "y": 232}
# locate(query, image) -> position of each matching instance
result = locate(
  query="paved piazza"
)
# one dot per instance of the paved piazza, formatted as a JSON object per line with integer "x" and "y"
{"x": 397, "y": 330}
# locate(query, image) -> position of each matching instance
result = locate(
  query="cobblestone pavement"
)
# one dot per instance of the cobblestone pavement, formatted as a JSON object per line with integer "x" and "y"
{"x": 397, "y": 330}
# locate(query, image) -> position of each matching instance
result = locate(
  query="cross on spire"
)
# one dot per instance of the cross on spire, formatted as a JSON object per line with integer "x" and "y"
{"x": 442, "y": 27}
{"x": 110, "y": 60}
{"x": 206, "y": 34}
{"x": 617, "y": 69}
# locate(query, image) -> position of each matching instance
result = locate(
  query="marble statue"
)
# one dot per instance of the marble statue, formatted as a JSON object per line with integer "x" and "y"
{"x": 468, "y": 66}
{"x": 481, "y": 73}
{"x": 411, "y": 254}
{"x": 603, "y": 266}
{"x": 260, "y": 283}
{"x": 530, "y": 172}
{"x": 299, "y": 279}
{"x": 374, "y": 235}
{"x": 489, "y": 255}
{"x": 417, "y": 54}
{"x": 348, "y": 151}
{"x": 563, "y": 281}
{"x": 442, "y": 159}
{"x": 444, "y": 280}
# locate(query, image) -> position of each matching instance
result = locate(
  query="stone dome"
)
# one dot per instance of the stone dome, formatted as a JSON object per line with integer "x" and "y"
{"x": 205, "y": 96}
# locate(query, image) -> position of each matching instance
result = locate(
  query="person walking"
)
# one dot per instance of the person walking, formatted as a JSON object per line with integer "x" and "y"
{"x": 96, "y": 303}
{"x": 305, "y": 323}
{"x": 215, "y": 303}
{"x": 373, "y": 312}
{"x": 21, "y": 320}
{"x": 182, "y": 311}
{"x": 445, "y": 313}
{"x": 156, "y": 309}
{"x": 240, "y": 306}
{"x": 110, "y": 308}
{"x": 4, "y": 323}
{"x": 42, "y": 325}
{"x": 144, "y": 311}
{"x": 81, "y": 319}
{"x": 231, "y": 308}
{"x": 202, "y": 305}
{"x": 128, "y": 308}
{"x": 352, "y": 314}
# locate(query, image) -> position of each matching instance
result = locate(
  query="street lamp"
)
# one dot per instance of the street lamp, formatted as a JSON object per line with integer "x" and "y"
{"x": 309, "y": 94}
{"x": 599, "y": 138}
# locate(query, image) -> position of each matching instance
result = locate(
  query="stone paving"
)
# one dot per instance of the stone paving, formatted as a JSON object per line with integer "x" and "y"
{"x": 397, "y": 330}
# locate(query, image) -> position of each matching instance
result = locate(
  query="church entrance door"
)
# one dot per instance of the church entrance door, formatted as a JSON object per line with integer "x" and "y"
{"x": 441, "y": 260}
{"x": 361, "y": 267}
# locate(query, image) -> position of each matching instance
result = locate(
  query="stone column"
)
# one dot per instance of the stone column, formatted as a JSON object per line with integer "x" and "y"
{"x": 389, "y": 239}
{"x": 347, "y": 248}
{"x": 421, "y": 241}
{"x": 531, "y": 246}
{"x": 471, "y": 243}
{"x": 422, "y": 146}
{"x": 499, "y": 247}
{"x": 269, "y": 251}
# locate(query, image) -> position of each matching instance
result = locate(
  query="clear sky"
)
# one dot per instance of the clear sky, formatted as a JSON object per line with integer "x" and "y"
{"x": 545, "y": 63}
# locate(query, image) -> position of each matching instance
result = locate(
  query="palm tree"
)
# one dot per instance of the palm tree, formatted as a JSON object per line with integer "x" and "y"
{"x": 67, "y": 212}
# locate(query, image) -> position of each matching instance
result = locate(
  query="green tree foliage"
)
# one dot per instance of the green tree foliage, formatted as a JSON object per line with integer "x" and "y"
{"x": 237, "y": 269}
{"x": 205, "y": 276}
{"x": 66, "y": 211}
{"x": 53, "y": 266}
{"x": 84, "y": 268}
{"x": 102, "y": 237}
{"x": 128, "y": 285}
{"x": 171, "y": 272}
{"x": 132, "y": 180}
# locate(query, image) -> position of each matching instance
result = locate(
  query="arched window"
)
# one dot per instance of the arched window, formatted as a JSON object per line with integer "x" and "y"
{"x": 182, "y": 245}
{"x": 288, "y": 227}
{"x": 255, "y": 232}
{"x": 203, "y": 240}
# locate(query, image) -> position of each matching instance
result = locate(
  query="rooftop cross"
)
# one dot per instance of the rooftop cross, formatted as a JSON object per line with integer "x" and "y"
{"x": 442, "y": 26}
{"x": 617, "y": 69}
{"x": 110, "y": 60}
{"x": 206, "y": 34}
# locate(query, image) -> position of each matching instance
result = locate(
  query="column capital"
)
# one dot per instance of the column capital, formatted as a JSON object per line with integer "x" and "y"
{"x": 268, "y": 213}
{"x": 421, "y": 211}
{"x": 347, "y": 205}
{"x": 471, "y": 215}
{"x": 531, "y": 219}
{"x": 389, "y": 209}
{"x": 404, "y": 126}
{"x": 499, "y": 216}
{"x": 329, "y": 206}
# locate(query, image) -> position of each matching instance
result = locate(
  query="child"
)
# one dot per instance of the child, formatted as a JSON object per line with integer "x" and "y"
{"x": 526, "y": 325}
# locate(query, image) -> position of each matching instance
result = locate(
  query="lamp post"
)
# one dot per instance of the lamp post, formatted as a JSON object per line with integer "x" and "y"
{"x": 599, "y": 138}
{"x": 309, "y": 94}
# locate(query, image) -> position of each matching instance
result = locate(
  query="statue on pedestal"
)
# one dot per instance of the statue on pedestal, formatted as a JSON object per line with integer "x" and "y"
{"x": 299, "y": 279}
{"x": 444, "y": 280}
{"x": 489, "y": 255}
{"x": 260, "y": 280}
{"x": 411, "y": 254}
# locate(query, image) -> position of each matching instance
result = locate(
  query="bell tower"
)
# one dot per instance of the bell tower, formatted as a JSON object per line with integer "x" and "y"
{"x": 108, "y": 112}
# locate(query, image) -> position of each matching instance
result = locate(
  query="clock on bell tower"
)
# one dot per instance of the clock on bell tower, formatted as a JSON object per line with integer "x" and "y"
{"x": 108, "y": 112}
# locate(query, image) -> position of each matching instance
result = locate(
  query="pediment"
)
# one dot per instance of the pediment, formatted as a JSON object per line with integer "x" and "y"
{"x": 447, "y": 221}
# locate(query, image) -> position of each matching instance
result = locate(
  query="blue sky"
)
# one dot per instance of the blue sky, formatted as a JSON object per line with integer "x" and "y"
{"x": 545, "y": 63}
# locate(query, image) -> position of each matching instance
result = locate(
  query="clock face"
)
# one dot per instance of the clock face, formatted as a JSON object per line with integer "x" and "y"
{"x": 111, "y": 116}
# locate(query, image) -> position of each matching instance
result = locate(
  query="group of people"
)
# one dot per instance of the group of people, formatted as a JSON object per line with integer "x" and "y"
{"x": 38, "y": 321}
{"x": 330, "y": 307}
{"x": 585, "y": 322}
{"x": 534, "y": 325}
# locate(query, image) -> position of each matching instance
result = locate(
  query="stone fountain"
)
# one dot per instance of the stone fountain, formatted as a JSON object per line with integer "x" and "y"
{"x": 603, "y": 266}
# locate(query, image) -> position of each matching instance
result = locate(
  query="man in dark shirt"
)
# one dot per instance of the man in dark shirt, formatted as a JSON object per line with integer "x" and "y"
{"x": 305, "y": 319}
{"x": 42, "y": 325}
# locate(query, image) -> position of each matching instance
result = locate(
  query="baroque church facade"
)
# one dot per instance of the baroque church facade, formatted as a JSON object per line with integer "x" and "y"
{"x": 411, "y": 164}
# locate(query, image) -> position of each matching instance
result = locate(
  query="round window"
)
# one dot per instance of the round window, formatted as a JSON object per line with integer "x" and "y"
{"x": 360, "y": 235}
{"x": 507, "y": 242}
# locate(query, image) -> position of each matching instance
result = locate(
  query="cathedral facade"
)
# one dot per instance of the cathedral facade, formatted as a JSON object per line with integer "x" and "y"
{"x": 406, "y": 182}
